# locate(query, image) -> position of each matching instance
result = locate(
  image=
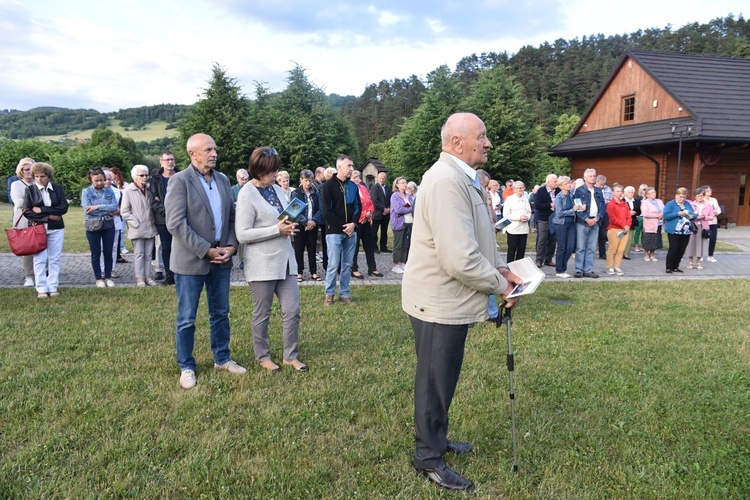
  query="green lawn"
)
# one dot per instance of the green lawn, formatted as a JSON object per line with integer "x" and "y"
{"x": 154, "y": 130}
{"x": 623, "y": 392}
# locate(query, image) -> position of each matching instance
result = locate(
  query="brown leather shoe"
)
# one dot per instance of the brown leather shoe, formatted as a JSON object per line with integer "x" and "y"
{"x": 346, "y": 300}
{"x": 328, "y": 301}
{"x": 270, "y": 366}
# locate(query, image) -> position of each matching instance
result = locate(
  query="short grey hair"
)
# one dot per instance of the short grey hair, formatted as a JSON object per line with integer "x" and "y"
{"x": 306, "y": 174}
{"x": 138, "y": 168}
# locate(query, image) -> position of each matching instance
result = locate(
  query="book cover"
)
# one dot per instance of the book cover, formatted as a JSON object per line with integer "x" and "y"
{"x": 293, "y": 210}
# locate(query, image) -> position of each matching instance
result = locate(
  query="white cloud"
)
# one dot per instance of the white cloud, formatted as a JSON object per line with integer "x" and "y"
{"x": 111, "y": 55}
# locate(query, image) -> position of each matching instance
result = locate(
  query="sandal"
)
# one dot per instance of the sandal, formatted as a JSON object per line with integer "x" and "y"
{"x": 299, "y": 278}
{"x": 316, "y": 277}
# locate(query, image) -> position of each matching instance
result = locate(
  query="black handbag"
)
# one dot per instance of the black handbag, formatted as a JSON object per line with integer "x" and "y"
{"x": 705, "y": 233}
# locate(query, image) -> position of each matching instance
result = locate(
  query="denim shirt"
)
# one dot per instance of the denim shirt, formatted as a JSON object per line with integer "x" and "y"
{"x": 105, "y": 199}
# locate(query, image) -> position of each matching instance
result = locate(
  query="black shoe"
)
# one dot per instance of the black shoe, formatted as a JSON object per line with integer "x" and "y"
{"x": 443, "y": 476}
{"x": 169, "y": 280}
{"x": 457, "y": 448}
{"x": 159, "y": 276}
{"x": 678, "y": 270}
{"x": 591, "y": 275}
{"x": 538, "y": 263}
{"x": 121, "y": 260}
{"x": 375, "y": 273}
{"x": 602, "y": 257}
{"x": 358, "y": 275}
{"x": 549, "y": 263}
{"x": 626, "y": 257}
{"x": 669, "y": 271}
{"x": 385, "y": 250}
{"x": 578, "y": 274}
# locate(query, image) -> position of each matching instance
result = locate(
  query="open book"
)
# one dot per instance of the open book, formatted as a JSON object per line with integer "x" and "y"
{"x": 503, "y": 223}
{"x": 293, "y": 210}
{"x": 531, "y": 275}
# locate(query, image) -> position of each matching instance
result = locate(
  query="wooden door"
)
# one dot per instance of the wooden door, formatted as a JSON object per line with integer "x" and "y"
{"x": 743, "y": 211}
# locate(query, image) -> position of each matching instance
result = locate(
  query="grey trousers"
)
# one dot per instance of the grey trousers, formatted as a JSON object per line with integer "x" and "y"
{"x": 288, "y": 293}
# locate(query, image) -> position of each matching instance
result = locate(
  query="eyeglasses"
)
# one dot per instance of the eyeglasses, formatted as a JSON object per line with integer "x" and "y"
{"x": 270, "y": 152}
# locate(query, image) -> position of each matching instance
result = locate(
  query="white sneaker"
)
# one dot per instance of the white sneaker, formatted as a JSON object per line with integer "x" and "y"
{"x": 710, "y": 259}
{"x": 619, "y": 272}
{"x": 100, "y": 284}
{"x": 110, "y": 283}
{"x": 231, "y": 367}
{"x": 187, "y": 379}
{"x": 611, "y": 270}
{"x": 397, "y": 269}
{"x": 562, "y": 275}
{"x": 124, "y": 251}
{"x": 29, "y": 282}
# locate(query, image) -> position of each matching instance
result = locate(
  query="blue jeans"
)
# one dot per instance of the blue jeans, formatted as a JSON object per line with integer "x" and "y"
{"x": 101, "y": 241}
{"x": 566, "y": 245}
{"x": 189, "y": 288}
{"x": 586, "y": 240}
{"x": 341, "y": 251}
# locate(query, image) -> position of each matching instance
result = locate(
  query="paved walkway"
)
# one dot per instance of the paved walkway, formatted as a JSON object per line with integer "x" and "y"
{"x": 76, "y": 268}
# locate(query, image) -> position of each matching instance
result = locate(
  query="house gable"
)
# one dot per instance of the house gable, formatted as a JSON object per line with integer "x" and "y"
{"x": 651, "y": 101}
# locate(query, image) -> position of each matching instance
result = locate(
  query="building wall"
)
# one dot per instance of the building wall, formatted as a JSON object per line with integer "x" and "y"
{"x": 652, "y": 102}
{"x": 634, "y": 169}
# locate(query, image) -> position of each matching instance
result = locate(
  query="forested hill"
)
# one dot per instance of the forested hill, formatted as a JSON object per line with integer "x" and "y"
{"x": 58, "y": 121}
{"x": 556, "y": 78}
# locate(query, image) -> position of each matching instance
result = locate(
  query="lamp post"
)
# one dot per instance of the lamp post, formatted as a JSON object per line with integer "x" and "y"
{"x": 688, "y": 130}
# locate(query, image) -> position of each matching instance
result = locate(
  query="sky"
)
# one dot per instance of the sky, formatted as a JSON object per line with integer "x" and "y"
{"x": 110, "y": 55}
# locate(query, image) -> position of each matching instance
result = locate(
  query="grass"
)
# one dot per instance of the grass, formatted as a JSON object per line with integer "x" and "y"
{"x": 76, "y": 242}
{"x": 154, "y": 130}
{"x": 623, "y": 392}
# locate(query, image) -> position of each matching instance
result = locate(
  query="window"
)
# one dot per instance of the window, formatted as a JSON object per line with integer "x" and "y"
{"x": 628, "y": 108}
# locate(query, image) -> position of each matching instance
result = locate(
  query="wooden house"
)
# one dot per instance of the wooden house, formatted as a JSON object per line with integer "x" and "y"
{"x": 670, "y": 120}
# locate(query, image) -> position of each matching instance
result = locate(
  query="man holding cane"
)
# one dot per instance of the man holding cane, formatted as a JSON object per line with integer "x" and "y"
{"x": 448, "y": 287}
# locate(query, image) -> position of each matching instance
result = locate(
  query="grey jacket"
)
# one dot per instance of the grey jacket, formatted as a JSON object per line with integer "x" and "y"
{"x": 268, "y": 256}
{"x": 190, "y": 221}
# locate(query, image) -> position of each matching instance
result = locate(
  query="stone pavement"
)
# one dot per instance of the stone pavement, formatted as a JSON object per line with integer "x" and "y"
{"x": 75, "y": 269}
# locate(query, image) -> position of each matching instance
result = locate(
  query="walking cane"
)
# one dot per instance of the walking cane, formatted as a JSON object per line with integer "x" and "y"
{"x": 508, "y": 320}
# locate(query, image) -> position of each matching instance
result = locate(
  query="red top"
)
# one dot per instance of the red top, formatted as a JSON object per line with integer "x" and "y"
{"x": 367, "y": 206}
{"x": 619, "y": 214}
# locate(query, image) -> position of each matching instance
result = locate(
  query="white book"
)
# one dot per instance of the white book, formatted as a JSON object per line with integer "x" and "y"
{"x": 531, "y": 275}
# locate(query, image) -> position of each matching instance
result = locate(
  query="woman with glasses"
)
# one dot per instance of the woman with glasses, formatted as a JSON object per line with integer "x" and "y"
{"x": 270, "y": 265}
{"x": 678, "y": 222}
{"x": 136, "y": 211}
{"x": 46, "y": 203}
{"x": 402, "y": 219}
{"x": 17, "y": 192}
{"x": 99, "y": 206}
{"x": 652, "y": 213}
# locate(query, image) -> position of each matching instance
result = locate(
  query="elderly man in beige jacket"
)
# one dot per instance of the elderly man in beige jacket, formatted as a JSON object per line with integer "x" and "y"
{"x": 448, "y": 286}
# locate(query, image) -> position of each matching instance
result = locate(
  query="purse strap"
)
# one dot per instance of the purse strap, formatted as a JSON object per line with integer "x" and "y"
{"x": 15, "y": 226}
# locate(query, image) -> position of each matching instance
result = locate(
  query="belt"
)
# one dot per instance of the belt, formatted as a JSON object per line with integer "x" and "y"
{"x": 590, "y": 217}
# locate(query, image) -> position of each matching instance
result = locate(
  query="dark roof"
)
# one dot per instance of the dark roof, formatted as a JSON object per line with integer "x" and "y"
{"x": 714, "y": 90}
{"x": 376, "y": 163}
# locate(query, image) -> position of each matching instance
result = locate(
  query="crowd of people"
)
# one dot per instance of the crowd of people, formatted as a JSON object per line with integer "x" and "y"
{"x": 586, "y": 216}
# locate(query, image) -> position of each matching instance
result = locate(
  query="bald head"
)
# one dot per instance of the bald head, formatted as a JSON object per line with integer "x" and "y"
{"x": 464, "y": 136}
{"x": 201, "y": 149}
